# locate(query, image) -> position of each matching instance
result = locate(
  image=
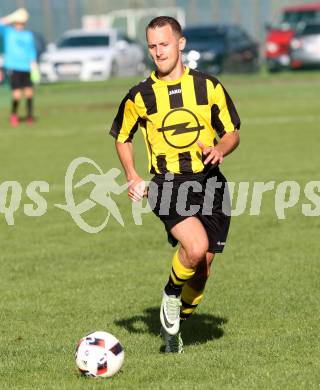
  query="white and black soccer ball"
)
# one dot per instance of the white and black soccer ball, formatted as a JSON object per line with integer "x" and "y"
{"x": 99, "y": 354}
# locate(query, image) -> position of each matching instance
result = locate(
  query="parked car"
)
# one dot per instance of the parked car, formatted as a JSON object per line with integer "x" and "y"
{"x": 220, "y": 48}
{"x": 278, "y": 39}
{"x": 91, "y": 55}
{"x": 305, "y": 47}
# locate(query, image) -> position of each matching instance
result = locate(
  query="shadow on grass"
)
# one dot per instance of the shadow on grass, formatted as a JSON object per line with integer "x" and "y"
{"x": 198, "y": 329}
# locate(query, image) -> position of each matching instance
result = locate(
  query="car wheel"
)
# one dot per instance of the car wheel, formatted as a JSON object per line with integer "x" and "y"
{"x": 219, "y": 69}
{"x": 114, "y": 69}
{"x": 254, "y": 66}
{"x": 273, "y": 70}
{"x": 272, "y": 67}
{"x": 220, "y": 66}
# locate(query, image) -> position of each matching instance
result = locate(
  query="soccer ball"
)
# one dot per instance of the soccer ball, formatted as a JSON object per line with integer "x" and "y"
{"x": 99, "y": 354}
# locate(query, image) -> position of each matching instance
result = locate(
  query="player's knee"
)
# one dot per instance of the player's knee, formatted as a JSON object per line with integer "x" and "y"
{"x": 28, "y": 93}
{"x": 196, "y": 255}
{"x": 16, "y": 94}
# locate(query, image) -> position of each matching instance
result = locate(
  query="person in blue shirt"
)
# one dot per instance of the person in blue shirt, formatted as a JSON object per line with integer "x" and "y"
{"x": 19, "y": 61}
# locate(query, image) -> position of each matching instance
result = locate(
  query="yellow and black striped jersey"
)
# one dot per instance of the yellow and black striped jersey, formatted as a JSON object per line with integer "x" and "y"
{"x": 173, "y": 116}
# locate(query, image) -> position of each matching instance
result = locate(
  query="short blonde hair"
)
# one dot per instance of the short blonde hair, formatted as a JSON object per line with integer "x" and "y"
{"x": 161, "y": 21}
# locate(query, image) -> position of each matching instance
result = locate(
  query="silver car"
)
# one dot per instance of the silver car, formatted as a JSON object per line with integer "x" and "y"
{"x": 305, "y": 47}
{"x": 91, "y": 55}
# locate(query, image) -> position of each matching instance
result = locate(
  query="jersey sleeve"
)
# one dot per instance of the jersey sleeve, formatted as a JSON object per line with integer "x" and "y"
{"x": 224, "y": 116}
{"x": 126, "y": 122}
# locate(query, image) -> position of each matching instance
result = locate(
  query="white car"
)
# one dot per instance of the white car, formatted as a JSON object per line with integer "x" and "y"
{"x": 91, "y": 55}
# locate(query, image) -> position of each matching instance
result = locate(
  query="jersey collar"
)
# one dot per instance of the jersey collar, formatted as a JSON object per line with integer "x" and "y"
{"x": 173, "y": 82}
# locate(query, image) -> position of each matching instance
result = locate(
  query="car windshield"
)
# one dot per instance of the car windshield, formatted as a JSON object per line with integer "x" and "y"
{"x": 196, "y": 35}
{"x": 297, "y": 17}
{"x": 84, "y": 41}
{"x": 311, "y": 29}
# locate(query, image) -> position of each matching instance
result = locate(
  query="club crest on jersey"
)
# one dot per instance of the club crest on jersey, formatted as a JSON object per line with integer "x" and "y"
{"x": 180, "y": 128}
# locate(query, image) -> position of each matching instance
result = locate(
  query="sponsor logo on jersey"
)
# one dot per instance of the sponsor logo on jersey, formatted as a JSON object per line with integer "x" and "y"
{"x": 175, "y": 91}
{"x": 180, "y": 134}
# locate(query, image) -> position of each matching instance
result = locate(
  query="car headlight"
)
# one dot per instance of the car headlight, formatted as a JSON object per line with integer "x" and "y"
{"x": 193, "y": 64}
{"x": 296, "y": 44}
{"x": 272, "y": 47}
{"x": 43, "y": 58}
{"x": 193, "y": 55}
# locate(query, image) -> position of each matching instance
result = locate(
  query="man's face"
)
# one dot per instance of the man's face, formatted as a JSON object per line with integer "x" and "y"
{"x": 165, "y": 48}
{"x": 19, "y": 26}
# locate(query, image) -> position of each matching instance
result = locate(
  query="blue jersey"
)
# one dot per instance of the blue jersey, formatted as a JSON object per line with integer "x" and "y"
{"x": 19, "y": 48}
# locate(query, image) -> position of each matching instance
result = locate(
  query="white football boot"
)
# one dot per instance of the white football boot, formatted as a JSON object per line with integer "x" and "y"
{"x": 173, "y": 343}
{"x": 170, "y": 313}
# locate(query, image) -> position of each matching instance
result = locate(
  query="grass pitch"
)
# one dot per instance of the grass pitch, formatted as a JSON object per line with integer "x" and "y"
{"x": 258, "y": 326}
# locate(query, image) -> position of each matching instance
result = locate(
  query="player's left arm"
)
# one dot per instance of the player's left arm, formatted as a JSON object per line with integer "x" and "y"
{"x": 215, "y": 154}
{"x": 226, "y": 123}
{"x": 34, "y": 67}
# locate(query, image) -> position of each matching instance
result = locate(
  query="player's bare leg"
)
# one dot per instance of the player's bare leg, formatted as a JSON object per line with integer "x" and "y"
{"x": 190, "y": 255}
{"x": 194, "y": 242}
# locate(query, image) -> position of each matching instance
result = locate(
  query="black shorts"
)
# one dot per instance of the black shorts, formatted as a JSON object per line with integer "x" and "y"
{"x": 19, "y": 79}
{"x": 175, "y": 197}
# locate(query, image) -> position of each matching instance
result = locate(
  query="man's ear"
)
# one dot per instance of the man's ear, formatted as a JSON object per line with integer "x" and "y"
{"x": 182, "y": 43}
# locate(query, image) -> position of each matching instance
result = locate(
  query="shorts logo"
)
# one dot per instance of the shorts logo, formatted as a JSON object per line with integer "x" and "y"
{"x": 180, "y": 134}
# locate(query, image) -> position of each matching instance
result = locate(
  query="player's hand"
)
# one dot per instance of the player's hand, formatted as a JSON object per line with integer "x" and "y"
{"x": 213, "y": 155}
{"x": 137, "y": 189}
{"x": 35, "y": 73}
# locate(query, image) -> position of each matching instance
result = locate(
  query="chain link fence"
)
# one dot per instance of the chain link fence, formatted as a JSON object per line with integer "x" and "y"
{"x": 52, "y": 17}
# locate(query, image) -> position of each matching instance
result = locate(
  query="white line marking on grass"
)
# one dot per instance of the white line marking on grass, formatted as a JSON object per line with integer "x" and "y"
{"x": 280, "y": 119}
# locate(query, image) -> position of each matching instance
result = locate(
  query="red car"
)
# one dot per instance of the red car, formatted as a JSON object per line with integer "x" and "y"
{"x": 278, "y": 39}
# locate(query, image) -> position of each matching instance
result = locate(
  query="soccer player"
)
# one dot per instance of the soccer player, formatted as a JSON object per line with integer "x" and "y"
{"x": 19, "y": 61}
{"x": 190, "y": 124}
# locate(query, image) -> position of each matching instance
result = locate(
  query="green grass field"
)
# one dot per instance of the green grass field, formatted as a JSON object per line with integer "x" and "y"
{"x": 258, "y": 326}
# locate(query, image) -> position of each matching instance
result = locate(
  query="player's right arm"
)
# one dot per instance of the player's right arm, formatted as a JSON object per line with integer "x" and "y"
{"x": 126, "y": 157}
{"x": 123, "y": 129}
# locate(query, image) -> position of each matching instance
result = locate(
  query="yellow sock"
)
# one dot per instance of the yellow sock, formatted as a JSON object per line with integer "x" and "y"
{"x": 190, "y": 299}
{"x": 178, "y": 277}
{"x": 179, "y": 273}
